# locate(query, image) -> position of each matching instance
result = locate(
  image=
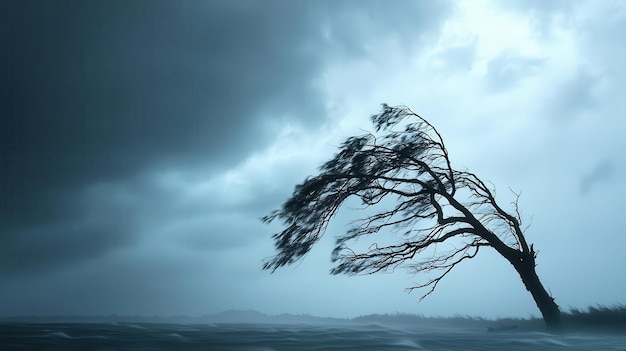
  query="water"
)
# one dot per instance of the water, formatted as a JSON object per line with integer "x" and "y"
{"x": 259, "y": 337}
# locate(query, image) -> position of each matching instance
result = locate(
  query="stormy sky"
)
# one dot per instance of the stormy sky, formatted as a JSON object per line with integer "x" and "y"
{"x": 141, "y": 141}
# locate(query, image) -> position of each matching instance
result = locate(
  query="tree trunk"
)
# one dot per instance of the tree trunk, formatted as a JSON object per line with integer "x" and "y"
{"x": 525, "y": 266}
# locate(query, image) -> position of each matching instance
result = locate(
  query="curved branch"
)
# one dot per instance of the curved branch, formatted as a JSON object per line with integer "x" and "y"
{"x": 412, "y": 164}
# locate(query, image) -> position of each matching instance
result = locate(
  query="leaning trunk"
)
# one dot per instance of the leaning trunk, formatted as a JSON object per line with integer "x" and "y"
{"x": 525, "y": 266}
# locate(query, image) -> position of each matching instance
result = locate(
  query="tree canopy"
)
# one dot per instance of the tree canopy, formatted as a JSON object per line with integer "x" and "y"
{"x": 406, "y": 160}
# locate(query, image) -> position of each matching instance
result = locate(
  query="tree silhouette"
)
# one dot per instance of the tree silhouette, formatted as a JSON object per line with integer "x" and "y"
{"x": 435, "y": 204}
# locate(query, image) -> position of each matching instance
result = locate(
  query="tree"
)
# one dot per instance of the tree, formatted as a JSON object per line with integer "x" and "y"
{"x": 435, "y": 205}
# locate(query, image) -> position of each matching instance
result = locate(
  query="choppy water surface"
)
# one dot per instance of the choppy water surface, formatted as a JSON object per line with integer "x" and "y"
{"x": 179, "y": 337}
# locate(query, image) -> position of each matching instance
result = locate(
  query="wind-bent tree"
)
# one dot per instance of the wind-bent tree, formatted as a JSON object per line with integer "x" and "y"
{"x": 435, "y": 205}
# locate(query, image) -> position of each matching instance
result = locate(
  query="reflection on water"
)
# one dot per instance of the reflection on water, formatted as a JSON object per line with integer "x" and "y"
{"x": 258, "y": 337}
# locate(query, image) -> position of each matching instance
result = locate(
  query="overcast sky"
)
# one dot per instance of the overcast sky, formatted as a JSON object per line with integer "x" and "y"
{"x": 141, "y": 141}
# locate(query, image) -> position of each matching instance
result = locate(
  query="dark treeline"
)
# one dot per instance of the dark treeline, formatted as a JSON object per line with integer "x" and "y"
{"x": 597, "y": 317}
{"x": 593, "y": 318}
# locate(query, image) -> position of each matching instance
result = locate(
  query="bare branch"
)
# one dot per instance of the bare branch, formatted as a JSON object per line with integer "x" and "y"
{"x": 447, "y": 267}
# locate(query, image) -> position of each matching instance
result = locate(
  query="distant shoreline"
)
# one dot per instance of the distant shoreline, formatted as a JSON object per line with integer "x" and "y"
{"x": 598, "y": 318}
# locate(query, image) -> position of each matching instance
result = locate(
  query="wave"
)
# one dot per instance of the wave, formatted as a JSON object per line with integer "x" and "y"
{"x": 259, "y": 337}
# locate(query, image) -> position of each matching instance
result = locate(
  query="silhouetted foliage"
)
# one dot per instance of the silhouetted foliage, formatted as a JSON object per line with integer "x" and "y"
{"x": 406, "y": 160}
{"x": 600, "y": 317}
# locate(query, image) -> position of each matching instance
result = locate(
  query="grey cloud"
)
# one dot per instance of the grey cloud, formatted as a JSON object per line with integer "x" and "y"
{"x": 352, "y": 28}
{"x": 139, "y": 282}
{"x": 575, "y": 97}
{"x": 216, "y": 233}
{"x": 596, "y": 37}
{"x": 107, "y": 216}
{"x": 47, "y": 248}
{"x": 99, "y": 98}
{"x": 102, "y": 91}
{"x": 85, "y": 231}
{"x": 508, "y": 68}
{"x": 460, "y": 58}
{"x": 539, "y": 6}
{"x": 601, "y": 173}
{"x": 542, "y": 13}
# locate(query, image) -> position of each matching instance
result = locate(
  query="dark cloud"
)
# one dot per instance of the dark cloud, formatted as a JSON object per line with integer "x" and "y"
{"x": 149, "y": 280}
{"x": 38, "y": 250}
{"x": 100, "y": 91}
{"x": 96, "y": 98}
{"x": 102, "y": 218}
{"x": 601, "y": 173}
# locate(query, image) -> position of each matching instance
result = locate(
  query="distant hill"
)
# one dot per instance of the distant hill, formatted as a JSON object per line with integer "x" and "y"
{"x": 229, "y": 316}
{"x": 256, "y": 317}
